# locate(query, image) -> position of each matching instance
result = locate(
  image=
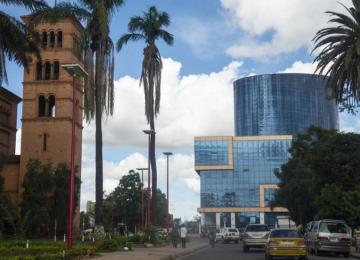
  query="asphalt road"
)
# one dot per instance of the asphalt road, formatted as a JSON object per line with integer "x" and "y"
{"x": 234, "y": 251}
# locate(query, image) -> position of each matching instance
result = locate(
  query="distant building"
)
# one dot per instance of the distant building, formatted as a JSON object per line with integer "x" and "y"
{"x": 237, "y": 179}
{"x": 46, "y": 108}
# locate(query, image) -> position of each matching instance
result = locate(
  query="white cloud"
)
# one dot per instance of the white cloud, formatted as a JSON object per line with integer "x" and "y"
{"x": 181, "y": 173}
{"x": 190, "y": 105}
{"x": 285, "y": 25}
{"x": 300, "y": 67}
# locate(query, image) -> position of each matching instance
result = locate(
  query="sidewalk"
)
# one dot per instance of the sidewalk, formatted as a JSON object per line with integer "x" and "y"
{"x": 354, "y": 253}
{"x": 158, "y": 253}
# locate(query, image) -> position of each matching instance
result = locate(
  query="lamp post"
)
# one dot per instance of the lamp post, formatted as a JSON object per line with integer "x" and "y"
{"x": 167, "y": 188}
{"x": 149, "y": 133}
{"x": 75, "y": 70}
{"x": 142, "y": 195}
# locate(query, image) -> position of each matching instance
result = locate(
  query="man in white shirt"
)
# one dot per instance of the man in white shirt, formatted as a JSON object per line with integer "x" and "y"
{"x": 183, "y": 233}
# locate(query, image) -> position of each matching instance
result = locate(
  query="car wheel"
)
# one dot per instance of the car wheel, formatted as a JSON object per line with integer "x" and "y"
{"x": 236, "y": 241}
{"x": 304, "y": 258}
{"x": 346, "y": 255}
{"x": 245, "y": 249}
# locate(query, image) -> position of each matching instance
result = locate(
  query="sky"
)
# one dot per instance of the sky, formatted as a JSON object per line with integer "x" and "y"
{"x": 216, "y": 42}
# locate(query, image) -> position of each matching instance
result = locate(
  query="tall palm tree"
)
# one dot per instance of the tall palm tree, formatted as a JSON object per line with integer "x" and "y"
{"x": 99, "y": 63}
{"x": 14, "y": 31}
{"x": 339, "y": 56}
{"x": 149, "y": 28}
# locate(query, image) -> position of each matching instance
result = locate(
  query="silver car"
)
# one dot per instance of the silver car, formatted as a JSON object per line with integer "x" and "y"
{"x": 255, "y": 235}
{"x": 328, "y": 235}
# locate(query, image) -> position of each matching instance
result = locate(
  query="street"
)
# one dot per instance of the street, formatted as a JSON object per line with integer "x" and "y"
{"x": 234, "y": 252}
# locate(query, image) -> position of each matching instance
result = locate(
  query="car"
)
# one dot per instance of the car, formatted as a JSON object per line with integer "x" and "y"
{"x": 230, "y": 234}
{"x": 328, "y": 235}
{"x": 285, "y": 243}
{"x": 255, "y": 235}
{"x": 218, "y": 235}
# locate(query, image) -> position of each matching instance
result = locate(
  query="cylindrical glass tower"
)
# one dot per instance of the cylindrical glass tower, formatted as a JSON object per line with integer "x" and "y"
{"x": 282, "y": 104}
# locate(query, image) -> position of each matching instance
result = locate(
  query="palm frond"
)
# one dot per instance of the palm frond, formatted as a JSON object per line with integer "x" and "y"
{"x": 137, "y": 23}
{"x": 31, "y": 4}
{"x": 128, "y": 37}
{"x": 166, "y": 36}
{"x": 14, "y": 31}
{"x": 62, "y": 10}
{"x": 339, "y": 56}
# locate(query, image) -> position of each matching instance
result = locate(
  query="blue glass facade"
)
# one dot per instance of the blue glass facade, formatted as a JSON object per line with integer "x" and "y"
{"x": 282, "y": 104}
{"x": 211, "y": 152}
{"x": 237, "y": 179}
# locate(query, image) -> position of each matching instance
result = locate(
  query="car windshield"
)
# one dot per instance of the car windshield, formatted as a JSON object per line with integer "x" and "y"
{"x": 333, "y": 228}
{"x": 233, "y": 230}
{"x": 257, "y": 228}
{"x": 285, "y": 233}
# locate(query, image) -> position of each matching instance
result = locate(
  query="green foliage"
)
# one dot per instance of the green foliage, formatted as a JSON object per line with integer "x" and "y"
{"x": 45, "y": 198}
{"x": 108, "y": 245}
{"x": 49, "y": 251}
{"x": 8, "y": 213}
{"x": 339, "y": 56}
{"x": 322, "y": 177}
{"x": 123, "y": 205}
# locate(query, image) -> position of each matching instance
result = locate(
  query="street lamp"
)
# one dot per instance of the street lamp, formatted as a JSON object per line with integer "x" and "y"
{"x": 142, "y": 195}
{"x": 75, "y": 70}
{"x": 149, "y": 133}
{"x": 167, "y": 188}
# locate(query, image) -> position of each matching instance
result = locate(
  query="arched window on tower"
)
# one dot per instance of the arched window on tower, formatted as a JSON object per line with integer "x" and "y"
{"x": 47, "y": 70}
{"x": 42, "y": 106}
{"x": 59, "y": 39}
{"x": 56, "y": 70}
{"x": 39, "y": 70}
{"x": 44, "y": 39}
{"x": 51, "y": 106}
{"x": 52, "y": 39}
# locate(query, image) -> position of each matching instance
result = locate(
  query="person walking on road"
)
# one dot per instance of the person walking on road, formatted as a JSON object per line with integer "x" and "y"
{"x": 357, "y": 239}
{"x": 183, "y": 234}
{"x": 175, "y": 236}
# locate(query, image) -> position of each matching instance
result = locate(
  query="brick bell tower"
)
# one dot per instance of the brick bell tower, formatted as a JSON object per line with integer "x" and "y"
{"x": 48, "y": 100}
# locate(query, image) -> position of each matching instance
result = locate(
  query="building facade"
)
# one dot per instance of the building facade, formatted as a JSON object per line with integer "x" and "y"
{"x": 47, "y": 108}
{"x": 237, "y": 179}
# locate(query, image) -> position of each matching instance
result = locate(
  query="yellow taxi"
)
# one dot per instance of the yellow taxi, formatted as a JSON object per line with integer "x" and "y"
{"x": 285, "y": 243}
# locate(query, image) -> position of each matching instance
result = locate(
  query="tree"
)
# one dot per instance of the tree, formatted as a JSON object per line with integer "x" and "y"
{"x": 339, "y": 56}
{"x": 14, "y": 31}
{"x": 149, "y": 28}
{"x": 322, "y": 177}
{"x": 45, "y": 198}
{"x": 123, "y": 205}
{"x": 99, "y": 63}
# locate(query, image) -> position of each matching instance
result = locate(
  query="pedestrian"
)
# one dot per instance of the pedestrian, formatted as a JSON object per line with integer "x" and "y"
{"x": 183, "y": 233}
{"x": 357, "y": 239}
{"x": 212, "y": 238}
{"x": 175, "y": 236}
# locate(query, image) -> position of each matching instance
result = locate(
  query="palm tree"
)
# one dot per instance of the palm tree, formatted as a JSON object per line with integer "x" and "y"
{"x": 149, "y": 28}
{"x": 339, "y": 56}
{"x": 99, "y": 63}
{"x": 14, "y": 31}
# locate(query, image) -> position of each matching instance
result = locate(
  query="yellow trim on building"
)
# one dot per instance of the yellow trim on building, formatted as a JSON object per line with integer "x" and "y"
{"x": 262, "y": 192}
{"x": 265, "y": 137}
{"x": 229, "y": 140}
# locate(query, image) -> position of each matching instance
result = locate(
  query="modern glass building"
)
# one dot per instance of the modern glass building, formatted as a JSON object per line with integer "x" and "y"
{"x": 237, "y": 178}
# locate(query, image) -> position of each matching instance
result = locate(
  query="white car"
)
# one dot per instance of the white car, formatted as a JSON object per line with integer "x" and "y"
{"x": 255, "y": 235}
{"x": 230, "y": 234}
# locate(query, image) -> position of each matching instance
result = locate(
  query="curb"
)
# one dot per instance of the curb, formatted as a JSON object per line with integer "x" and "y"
{"x": 355, "y": 256}
{"x": 182, "y": 254}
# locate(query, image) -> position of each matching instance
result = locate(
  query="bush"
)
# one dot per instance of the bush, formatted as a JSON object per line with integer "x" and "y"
{"x": 108, "y": 245}
{"x": 43, "y": 252}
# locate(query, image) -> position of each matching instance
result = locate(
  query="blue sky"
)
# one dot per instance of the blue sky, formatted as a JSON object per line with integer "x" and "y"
{"x": 216, "y": 42}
